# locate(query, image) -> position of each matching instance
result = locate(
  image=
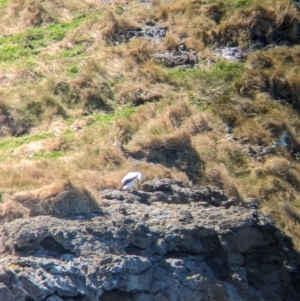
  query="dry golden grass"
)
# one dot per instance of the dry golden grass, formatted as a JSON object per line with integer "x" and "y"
{"x": 217, "y": 175}
{"x": 11, "y": 210}
{"x": 139, "y": 51}
{"x": 197, "y": 123}
{"x": 22, "y": 14}
{"x": 258, "y": 134}
{"x": 59, "y": 199}
{"x": 102, "y": 158}
{"x": 115, "y": 27}
{"x": 260, "y": 60}
{"x": 263, "y": 23}
{"x": 171, "y": 150}
{"x": 139, "y": 93}
{"x": 286, "y": 214}
{"x": 277, "y": 167}
{"x": 170, "y": 41}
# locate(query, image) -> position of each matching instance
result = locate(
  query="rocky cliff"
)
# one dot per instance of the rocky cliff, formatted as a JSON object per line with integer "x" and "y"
{"x": 164, "y": 242}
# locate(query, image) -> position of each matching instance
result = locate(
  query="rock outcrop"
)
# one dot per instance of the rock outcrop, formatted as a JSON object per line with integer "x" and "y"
{"x": 166, "y": 243}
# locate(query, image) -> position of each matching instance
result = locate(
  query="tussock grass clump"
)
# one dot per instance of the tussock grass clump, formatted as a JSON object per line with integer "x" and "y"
{"x": 102, "y": 158}
{"x": 171, "y": 150}
{"x": 116, "y": 27}
{"x": 198, "y": 123}
{"x": 178, "y": 112}
{"x": 13, "y": 122}
{"x": 11, "y": 210}
{"x": 260, "y": 60}
{"x": 46, "y": 106}
{"x": 258, "y": 134}
{"x": 59, "y": 199}
{"x": 286, "y": 214}
{"x": 292, "y": 212}
{"x": 265, "y": 24}
{"x": 170, "y": 41}
{"x": 84, "y": 92}
{"x": 281, "y": 168}
{"x": 127, "y": 127}
{"x": 277, "y": 75}
{"x": 139, "y": 51}
{"x": 140, "y": 93}
{"x": 217, "y": 175}
{"x": 265, "y": 81}
{"x": 18, "y": 15}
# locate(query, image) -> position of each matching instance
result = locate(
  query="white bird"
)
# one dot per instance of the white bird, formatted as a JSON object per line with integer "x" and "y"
{"x": 281, "y": 141}
{"x": 129, "y": 180}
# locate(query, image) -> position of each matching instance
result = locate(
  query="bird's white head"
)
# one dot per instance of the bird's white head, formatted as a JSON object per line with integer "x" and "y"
{"x": 139, "y": 176}
{"x": 129, "y": 180}
{"x": 132, "y": 176}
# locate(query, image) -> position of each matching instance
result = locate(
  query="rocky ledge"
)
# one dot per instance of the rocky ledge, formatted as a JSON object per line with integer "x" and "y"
{"x": 165, "y": 242}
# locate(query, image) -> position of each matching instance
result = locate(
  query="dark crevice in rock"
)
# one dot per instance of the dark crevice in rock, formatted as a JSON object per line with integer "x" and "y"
{"x": 296, "y": 282}
{"x": 270, "y": 274}
{"x": 215, "y": 257}
{"x": 219, "y": 267}
{"x": 180, "y": 254}
{"x": 134, "y": 250}
{"x": 79, "y": 298}
{"x": 52, "y": 246}
{"x": 47, "y": 247}
{"x": 30, "y": 246}
{"x": 116, "y": 295}
{"x": 56, "y": 297}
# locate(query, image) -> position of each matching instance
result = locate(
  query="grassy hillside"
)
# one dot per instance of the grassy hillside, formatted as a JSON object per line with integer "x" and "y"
{"x": 90, "y": 91}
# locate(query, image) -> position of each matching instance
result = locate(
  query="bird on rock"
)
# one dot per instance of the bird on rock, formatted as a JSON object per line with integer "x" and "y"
{"x": 129, "y": 180}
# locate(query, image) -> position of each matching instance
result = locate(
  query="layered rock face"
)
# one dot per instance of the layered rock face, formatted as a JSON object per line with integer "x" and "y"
{"x": 165, "y": 243}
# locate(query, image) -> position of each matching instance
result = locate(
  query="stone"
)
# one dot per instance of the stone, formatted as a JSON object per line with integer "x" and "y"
{"x": 143, "y": 297}
{"x": 188, "y": 245}
{"x": 5, "y": 293}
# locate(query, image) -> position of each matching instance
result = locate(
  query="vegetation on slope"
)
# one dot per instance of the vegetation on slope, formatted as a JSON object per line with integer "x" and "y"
{"x": 81, "y": 98}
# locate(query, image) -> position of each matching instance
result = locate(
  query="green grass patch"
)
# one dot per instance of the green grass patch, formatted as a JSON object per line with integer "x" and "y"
{"x": 30, "y": 41}
{"x": 3, "y": 3}
{"x": 239, "y": 3}
{"x": 227, "y": 67}
{"x": 73, "y": 70}
{"x": 77, "y": 50}
{"x": 198, "y": 102}
{"x": 48, "y": 155}
{"x": 182, "y": 73}
{"x": 14, "y": 142}
{"x": 243, "y": 3}
{"x": 155, "y": 130}
{"x": 120, "y": 112}
{"x": 9, "y": 52}
{"x": 220, "y": 71}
